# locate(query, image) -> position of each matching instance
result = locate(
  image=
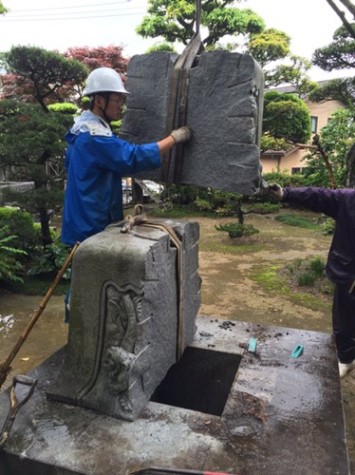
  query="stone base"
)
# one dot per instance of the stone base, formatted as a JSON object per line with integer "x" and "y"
{"x": 128, "y": 325}
{"x": 276, "y": 415}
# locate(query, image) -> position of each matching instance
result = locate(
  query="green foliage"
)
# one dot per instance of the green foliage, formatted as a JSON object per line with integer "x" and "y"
{"x": 309, "y": 273}
{"x": 317, "y": 266}
{"x": 268, "y": 142}
{"x": 285, "y": 179}
{"x": 340, "y": 54}
{"x": 269, "y": 45}
{"x": 48, "y": 71}
{"x": 30, "y": 141}
{"x": 20, "y": 226}
{"x": 167, "y": 47}
{"x": 298, "y": 221}
{"x": 286, "y": 116}
{"x": 264, "y": 208}
{"x": 342, "y": 90}
{"x": 293, "y": 70}
{"x": 10, "y": 266}
{"x": 50, "y": 260}
{"x": 336, "y": 138}
{"x": 64, "y": 108}
{"x": 306, "y": 279}
{"x": 116, "y": 125}
{"x": 203, "y": 204}
{"x": 225, "y": 211}
{"x": 235, "y": 230}
{"x": 3, "y": 9}
{"x": 328, "y": 226}
{"x": 174, "y": 20}
{"x": 181, "y": 194}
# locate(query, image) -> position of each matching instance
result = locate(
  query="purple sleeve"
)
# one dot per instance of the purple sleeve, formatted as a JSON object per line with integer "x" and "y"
{"x": 321, "y": 200}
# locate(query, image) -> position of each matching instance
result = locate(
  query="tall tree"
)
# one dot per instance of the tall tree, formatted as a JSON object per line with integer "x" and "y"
{"x": 336, "y": 139}
{"x": 92, "y": 58}
{"x": 175, "y": 20}
{"x": 44, "y": 72}
{"x": 350, "y": 7}
{"x": 286, "y": 116}
{"x": 109, "y": 56}
{"x": 31, "y": 136}
{"x": 32, "y": 141}
{"x": 339, "y": 54}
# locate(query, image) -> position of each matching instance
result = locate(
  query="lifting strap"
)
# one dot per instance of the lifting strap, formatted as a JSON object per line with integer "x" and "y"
{"x": 177, "y": 106}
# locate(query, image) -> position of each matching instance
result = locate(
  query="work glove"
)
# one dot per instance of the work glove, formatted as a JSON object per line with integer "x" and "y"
{"x": 276, "y": 190}
{"x": 181, "y": 135}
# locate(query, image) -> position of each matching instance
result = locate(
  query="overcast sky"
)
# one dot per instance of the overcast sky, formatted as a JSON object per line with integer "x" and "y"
{"x": 60, "y": 25}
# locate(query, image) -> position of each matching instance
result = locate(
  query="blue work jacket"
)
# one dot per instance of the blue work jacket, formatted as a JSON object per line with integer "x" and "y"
{"x": 96, "y": 160}
{"x": 340, "y": 205}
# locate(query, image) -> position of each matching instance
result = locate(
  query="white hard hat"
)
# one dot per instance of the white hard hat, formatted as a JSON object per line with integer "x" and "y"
{"x": 104, "y": 80}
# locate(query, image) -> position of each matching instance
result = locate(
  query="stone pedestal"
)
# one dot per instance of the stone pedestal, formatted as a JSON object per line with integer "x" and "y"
{"x": 134, "y": 300}
{"x": 224, "y": 111}
{"x": 280, "y": 415}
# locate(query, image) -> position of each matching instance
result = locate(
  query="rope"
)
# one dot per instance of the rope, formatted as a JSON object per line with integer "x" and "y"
{"x": 140, "y": 218}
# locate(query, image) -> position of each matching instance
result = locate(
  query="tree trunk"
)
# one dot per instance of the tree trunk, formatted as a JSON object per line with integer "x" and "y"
{"x": 46, "y": 234}
{"x": 240, "y": 212}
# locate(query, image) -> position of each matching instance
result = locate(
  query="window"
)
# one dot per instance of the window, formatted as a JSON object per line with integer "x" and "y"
{"x": 296, "y": 170}
{"x": 314, "y": 124}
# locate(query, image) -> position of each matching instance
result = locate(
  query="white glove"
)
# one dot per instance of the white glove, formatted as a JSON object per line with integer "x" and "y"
{"x": 276, "y": 190}
{"x": 181, "y": 135}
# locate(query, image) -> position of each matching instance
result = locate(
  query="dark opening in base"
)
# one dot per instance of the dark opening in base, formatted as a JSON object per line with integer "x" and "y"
{"x": 200, "y": 381}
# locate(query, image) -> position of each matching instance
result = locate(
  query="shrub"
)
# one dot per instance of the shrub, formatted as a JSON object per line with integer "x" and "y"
{"x": 10, "y": 267}
{"x": 264, "y": 208}
{"x": 63, "y": 108}
{"x": 328, "y": 226}
{"x": 235, "y": 230}
{"x": 308, "y": 273}
{"x": 21, "y": 226}
{"x": 300, "y": 221}
{"x": 50, "y": 260}
{"x": 203, "y": 205}
{"x": 317, "y": 265}
{"x": 307, "y": 279}
{"x": 225, "y": 211}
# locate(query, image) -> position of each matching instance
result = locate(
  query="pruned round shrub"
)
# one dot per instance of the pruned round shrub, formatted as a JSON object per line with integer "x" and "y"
{"x": 235, "y": 230}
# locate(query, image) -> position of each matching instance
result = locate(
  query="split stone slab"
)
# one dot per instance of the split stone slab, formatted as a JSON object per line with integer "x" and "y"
{"x": 224, "y": 111}
{"x": 126, "y": 316}
{"x": 282, "y": 415}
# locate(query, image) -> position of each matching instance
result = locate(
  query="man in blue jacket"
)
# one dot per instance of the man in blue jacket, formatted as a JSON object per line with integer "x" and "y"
{"x": 340, "y": 268}
{"x": 96, "y": 160}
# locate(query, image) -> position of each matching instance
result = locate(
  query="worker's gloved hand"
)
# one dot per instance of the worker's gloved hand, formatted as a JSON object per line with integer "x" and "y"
{"x": 181, "y": 135}
{"x": 275, "y": 190}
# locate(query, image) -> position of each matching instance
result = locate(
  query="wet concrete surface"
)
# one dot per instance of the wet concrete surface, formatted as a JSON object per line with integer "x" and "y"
{"x": 48, "y": 335}
{"x": 282, "y": 415}
{"x": 250, "y": 303}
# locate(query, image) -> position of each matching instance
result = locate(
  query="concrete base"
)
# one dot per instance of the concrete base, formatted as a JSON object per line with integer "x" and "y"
{"x": 276, "y": 415}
